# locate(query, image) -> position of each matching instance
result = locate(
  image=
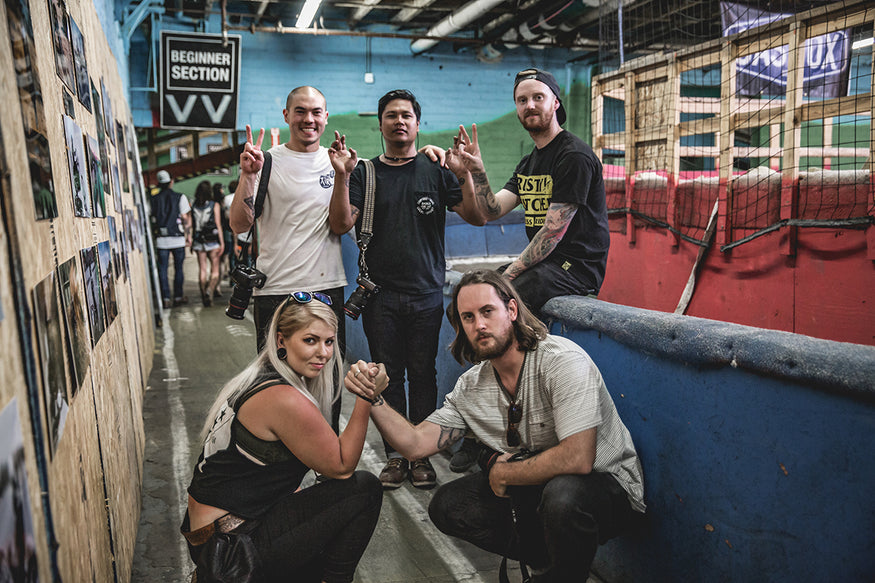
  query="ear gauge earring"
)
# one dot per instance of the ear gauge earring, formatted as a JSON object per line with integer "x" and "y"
{"x": 281, "y": 353}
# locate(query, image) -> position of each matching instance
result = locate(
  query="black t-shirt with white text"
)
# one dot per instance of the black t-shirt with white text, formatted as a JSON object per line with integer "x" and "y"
{"x": 567, "y": 171}
{"x": 406, "y": 253}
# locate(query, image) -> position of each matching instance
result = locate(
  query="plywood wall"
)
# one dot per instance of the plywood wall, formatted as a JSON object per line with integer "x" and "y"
{"x": 80, "y": 422}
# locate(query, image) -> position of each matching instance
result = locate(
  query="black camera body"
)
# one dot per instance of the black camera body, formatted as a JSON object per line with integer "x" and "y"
{"x": 358, "y": 299}
{"x": 245, "y": 279}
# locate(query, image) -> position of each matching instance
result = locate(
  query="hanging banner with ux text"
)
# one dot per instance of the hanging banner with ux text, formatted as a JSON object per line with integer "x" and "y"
{"x": 200, "y": 77}
{"x": 827, "y": 58}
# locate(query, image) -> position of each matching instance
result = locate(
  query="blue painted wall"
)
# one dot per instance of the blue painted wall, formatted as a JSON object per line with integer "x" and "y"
{"x": 453, "y": 87}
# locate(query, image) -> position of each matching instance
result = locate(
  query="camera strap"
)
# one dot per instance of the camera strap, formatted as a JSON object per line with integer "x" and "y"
{"x": 260, "y": 195}
{"x": 367, "y": 228}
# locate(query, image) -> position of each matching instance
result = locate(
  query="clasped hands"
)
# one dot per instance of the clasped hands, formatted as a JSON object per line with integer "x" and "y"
{"x": 366, "y": 379}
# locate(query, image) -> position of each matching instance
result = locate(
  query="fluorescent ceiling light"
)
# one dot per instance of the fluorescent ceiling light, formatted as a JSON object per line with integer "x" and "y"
{"x": 866, "y": 42}
{"x": 307, "y": 14}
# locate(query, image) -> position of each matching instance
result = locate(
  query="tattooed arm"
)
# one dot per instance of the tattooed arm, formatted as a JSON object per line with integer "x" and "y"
{"x": 556, "y": 222}
{"x": 413, "y": 442}
{"x": 341, "y": 215}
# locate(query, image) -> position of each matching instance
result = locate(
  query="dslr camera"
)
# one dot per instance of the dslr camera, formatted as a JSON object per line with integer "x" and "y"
{"x": 358, "y": 299}
{"x": 245, "y": 279}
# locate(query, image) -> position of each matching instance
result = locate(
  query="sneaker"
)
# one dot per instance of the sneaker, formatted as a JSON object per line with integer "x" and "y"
{"x": 422, "y": 474}
{"x": 465, "y": 457}
{"x": 180, "y": 301}
{"x": 394, "y": 473}
{"x": 217, "y": 293}
{"x": 166, "y": 303}
{"x": 207, "y": 300}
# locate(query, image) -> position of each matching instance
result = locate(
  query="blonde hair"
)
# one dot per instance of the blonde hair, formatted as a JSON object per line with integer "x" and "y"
{"x": 289, "y": 317}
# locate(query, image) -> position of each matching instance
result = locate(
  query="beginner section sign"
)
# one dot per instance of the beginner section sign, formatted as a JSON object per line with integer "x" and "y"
{"x": 200, "y": 77}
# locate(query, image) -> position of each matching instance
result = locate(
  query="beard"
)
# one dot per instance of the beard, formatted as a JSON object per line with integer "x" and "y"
{"x": 501, "y": 345}
{"x": 535, "y": 125}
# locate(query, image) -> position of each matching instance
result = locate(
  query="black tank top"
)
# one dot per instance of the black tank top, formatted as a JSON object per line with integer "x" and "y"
{"x": 250, "y": 475}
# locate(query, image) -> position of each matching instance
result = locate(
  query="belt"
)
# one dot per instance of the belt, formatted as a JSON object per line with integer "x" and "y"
{"x": 225, "y": 523}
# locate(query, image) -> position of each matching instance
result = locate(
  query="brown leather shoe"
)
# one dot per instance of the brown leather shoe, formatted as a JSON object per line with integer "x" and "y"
{"x": 422, "y": 474}
{"x": 394, "y": 473}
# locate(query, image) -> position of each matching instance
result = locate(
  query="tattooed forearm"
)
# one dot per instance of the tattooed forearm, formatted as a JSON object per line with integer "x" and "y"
{"x": 545, "y": 241}
{"x": 449, "y": 436}
{"x": 462, "y": 181}
{"x": 250, "y": 203}
{"x": 485, "y": 195}
{"x": 354, "y": 214}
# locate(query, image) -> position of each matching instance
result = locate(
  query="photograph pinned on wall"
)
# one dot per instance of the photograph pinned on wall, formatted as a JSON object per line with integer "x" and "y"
{"x": 33, "y": 117}
{"x": 101, "y": 137}
{"x": 121, "y": 150}
{"x": 93, "y": 297}
{"x": 114, "y": 246}
{"x": 18, "y": 561}
{"x": 107, "y": 112}
{"x": 123, "y": 239}
{"x": 41, "y": 180}
{"x": 62, "y": 43}
{"x": 50, "y": 344}
{"x": 82, "y": 79}
{"x": 73, "y": 304}
{"x": 107, "y": 281}
{"x": 77, "y": 160}
{"x": 69, "y": 105}
{"x": 98, "y": 202}
{"x": 116, "y": 189}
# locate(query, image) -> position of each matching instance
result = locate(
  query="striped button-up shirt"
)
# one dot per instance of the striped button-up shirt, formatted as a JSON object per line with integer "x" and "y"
{"x": 561, "y": 392}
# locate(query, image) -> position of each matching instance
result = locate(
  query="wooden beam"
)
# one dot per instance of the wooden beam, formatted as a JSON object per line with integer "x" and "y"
{"x": 630, "y": 152}
{"x": 672, "y": 147}
{"x": 792, "y": 131}
{"x": 725, "y": 139}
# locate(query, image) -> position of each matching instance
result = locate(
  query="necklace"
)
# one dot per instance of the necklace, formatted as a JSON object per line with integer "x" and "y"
{"x": 398, "y": 158}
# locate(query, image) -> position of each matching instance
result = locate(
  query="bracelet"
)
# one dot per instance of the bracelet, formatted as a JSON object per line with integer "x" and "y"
{"x": 491, "y": 462}
{"x": 378, "y": 401}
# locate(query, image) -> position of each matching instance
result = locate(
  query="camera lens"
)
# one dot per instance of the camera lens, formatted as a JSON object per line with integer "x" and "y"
{"x": 238, "y": 303}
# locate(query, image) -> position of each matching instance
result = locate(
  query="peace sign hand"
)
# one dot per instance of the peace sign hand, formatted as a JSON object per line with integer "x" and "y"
{"x": 343, "y": 159}
{"x": 252, "y": 158}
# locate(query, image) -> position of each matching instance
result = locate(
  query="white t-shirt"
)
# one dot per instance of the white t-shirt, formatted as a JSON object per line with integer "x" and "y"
{"x": 298, "y": 251}
{"x": 175, "y": 242}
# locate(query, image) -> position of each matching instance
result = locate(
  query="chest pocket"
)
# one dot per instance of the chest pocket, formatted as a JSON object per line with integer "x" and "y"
{"x": 541, "y": 431}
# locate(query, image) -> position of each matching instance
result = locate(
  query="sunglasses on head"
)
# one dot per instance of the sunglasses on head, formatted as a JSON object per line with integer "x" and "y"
{"x": 305, "y": 297}
{"x": 514, "y": 416}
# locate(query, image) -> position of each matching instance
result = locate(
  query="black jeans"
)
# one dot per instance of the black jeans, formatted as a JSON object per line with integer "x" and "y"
{"x": 546, "y": 280}
{"x": 576, "y": 513}
{"x": 402, "y": 331}
{"x": 319, "y": 533}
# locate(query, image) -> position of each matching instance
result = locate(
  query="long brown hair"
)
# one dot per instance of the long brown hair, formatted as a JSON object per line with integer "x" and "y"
{"x": 527, "y": 329}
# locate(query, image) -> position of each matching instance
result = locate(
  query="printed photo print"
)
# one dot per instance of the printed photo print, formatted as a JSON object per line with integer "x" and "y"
{"x": 93, "y": 297}
{"x": 73, "y": 303}
{"x": 114, "y": 246}
{"x": 50, "y": 343}
{"x": 82, "y": 79}
{"x": 77, "y": 160}
{"x": 32, "y": 111}
{"x": 107, "y": 282}
{"x": 98, "y": 200}
{"x": 63, "y": 46}
{"x": 17, "y": 544}
{"x": 101, "y": 137}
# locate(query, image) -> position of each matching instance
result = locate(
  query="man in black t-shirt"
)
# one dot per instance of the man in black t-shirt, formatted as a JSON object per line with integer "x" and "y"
{"x": 562, "y": 192}
{"x": 405, "y": 258}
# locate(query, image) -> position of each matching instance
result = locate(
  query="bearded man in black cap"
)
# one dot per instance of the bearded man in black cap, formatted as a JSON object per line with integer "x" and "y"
{"x": 562, "y": 192}
{"x": 563, "y": 195}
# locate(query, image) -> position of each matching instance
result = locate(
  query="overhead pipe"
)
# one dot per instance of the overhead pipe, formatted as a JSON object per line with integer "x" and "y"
{"x": 454, "y": 22}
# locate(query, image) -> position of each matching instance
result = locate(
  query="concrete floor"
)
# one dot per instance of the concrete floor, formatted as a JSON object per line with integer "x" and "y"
{"x": 197, "y": 350}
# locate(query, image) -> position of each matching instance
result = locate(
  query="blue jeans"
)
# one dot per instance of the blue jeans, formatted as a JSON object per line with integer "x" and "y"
{"x": 163, "y": 265}
{"x": 402, "y": 331}
{"x": 571, "y": 515}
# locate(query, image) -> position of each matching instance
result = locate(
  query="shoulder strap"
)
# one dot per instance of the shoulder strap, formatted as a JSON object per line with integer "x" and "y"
{"x": 367, "y": 230}
{"x": 262, "y": 184}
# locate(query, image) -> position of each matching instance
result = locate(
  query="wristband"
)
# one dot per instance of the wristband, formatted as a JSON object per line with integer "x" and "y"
{"x": 491, "y": 462}
{"x": 378, "y": 401}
